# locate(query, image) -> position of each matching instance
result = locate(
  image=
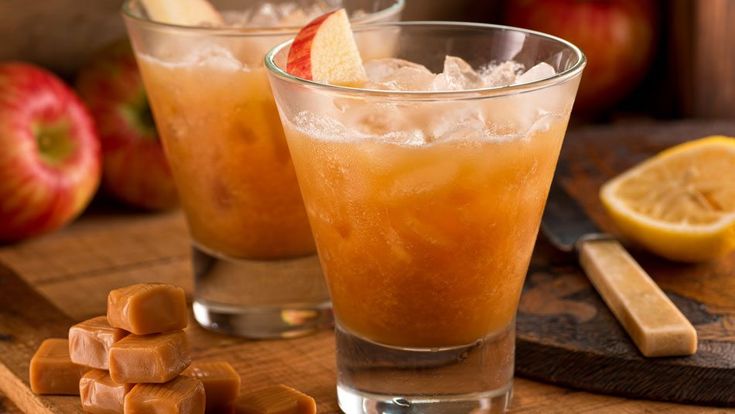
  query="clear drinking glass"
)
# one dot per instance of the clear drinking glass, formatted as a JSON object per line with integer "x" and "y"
{"x": 254, "y": 262}
{"x": 425, "y": 207}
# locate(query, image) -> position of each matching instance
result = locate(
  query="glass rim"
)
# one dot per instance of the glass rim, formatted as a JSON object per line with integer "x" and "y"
{"x": 477, "y": 93}
{"x": 127, "y": 12}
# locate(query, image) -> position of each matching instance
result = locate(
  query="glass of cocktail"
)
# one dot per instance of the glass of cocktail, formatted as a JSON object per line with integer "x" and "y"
{"x": 255, "y": 269}
{"x": 425, "y": 187}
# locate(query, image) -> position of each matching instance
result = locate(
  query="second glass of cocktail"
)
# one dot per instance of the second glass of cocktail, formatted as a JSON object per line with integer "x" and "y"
{"x": 424, "y": 184}
{"x": 255, "y": 269}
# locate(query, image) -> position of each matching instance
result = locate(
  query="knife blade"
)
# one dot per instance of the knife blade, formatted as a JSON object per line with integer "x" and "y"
{"x": 653, "y": 322}
{"x": 564, "y": 222}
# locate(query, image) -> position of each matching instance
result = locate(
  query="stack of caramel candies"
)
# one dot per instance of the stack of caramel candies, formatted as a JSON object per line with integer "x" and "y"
{"x": 135, "y": 360}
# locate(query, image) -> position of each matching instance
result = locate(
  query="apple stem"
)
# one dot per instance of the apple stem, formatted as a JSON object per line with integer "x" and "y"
{"x": 53, "y": 142}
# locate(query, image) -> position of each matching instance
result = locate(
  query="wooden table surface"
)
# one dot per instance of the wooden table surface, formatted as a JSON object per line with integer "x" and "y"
{"x": 118, "y": 248}
{"x": 109, "y": 248}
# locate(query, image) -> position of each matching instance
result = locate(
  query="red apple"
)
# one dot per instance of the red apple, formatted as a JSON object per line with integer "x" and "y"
{"x": 617, "y": 36}
{"x": 135, "y": 167}
{"x": 50, "y": 158}
{"x": 325, "y": 51}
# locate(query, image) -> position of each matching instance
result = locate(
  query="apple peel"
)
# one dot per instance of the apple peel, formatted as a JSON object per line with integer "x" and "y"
{"x": 183, "y": 12}
{"x": 325, "y": 51}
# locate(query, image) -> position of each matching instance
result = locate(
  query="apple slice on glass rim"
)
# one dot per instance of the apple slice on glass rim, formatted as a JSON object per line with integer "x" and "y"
{"x": 325, "y": 51}
{"x": 183, "y": 12}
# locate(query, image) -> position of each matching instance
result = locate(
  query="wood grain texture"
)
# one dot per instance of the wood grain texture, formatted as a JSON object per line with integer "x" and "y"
{"x": 59, "y": 34}
{"x": 565, "y": 333}
{"x": 704, "y": 36}
{"x": 7, "y": 406}
{"x": 75, "y": 268}
{"x": 90, "y": 257}
{"x": 25, "y": 320}
{"x": 267, "y": 362}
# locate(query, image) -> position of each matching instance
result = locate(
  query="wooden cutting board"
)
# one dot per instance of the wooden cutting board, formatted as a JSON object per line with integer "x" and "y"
{"x": 565, "y": 333}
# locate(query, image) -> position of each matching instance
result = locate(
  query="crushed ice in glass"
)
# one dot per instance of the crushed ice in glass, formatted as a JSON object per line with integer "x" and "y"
{"x": 457, "y": 75}
{"x": 290, "y": 14}
{"x": 541, "y": 71}
{"x": 398, "y": 74}
{"x": 407, "y": 124}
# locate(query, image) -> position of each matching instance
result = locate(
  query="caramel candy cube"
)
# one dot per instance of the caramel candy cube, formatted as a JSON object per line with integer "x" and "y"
{"x": 184, "y": 395}
{"x": 51, "y": 370}
{"x": 278, "y": 399}
{"x": 100, "y": 394}
{"x": 148, "y": 308}
{"x": 150, "y": 358}
{"x": 90, "y": 342}
{"x": 221, "y": 384}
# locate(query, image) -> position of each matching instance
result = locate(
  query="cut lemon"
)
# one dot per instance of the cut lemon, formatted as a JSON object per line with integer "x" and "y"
{"x": 679, "y": 204}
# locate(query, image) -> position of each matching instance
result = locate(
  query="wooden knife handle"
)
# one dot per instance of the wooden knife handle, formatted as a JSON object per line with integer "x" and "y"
{"x": 654, "y": 323}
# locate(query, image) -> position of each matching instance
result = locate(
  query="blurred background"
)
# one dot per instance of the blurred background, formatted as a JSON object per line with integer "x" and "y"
{"x": 648, "y": 59}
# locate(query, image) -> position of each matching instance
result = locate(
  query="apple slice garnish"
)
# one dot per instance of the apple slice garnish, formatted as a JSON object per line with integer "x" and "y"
{"x": 325, "y": 51}
{"x": 183, "y": 12}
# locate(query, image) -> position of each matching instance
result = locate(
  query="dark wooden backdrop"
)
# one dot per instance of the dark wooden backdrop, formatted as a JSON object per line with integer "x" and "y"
{"x": 60, "y": 34}
{"x": 693, "y": 74}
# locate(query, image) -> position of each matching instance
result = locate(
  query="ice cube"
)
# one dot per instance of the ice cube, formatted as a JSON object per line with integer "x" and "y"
{"x": 214, "y": 56}
{"x": 320, "y": 126}
{"x": 358, "y": 15}
{"x": 264, "y": 16}
{"x": 371, "y": 121}
{"x": 267, "y": 14}
{"x": 457, "y": 75}
{"x": 398, "y": 74}
{"x": 385, "y": 122}
{"x": 296, "y": 17}
{"x": 236, "y": 18}
{"x": 437, "y": 176}
{"x": 541, "y": 71}
{"x": 458, "y": 121}
{"x": 398, "y": 247}
{"x": 502, "y": 74}
{"x": 413, "y": 137}
{"x": 204, "y": 52}
{"x": 292, "y": 14}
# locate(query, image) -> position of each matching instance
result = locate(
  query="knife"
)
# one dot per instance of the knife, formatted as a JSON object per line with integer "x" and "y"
{"x": 652, "y": 321}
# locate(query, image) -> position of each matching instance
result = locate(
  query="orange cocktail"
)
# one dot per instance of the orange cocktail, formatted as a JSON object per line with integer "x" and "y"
{"x": 253, "y": 257}
{"x": 426, "y": 246}
{"x": 424, "y": 184}
{"x": 225, "y": 144}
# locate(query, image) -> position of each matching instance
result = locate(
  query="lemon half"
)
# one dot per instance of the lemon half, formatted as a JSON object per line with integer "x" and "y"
{"x": 679, "y": 204}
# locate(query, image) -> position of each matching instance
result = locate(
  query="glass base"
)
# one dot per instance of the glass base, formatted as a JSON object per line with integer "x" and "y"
{"x": 490, "y": 402}
{"x": 263, "y": 322}
{"x": 259, "y": 299}
{"x": 469, "y": 379}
